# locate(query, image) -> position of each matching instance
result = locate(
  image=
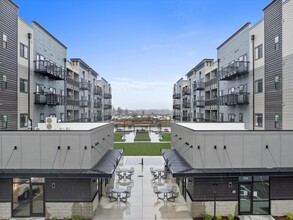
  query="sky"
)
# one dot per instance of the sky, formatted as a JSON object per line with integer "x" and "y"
{"x": 142, "y": 47}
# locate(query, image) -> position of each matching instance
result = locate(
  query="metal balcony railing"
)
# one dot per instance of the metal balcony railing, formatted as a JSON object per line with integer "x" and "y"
{"x": 73, "y": 102}
{"x": 49, "y": 69}
{"x": 84, "y": 102}
{"x": 107, "y": 96}
{"x": 199, "y": 103}
{"x": 234, "y": 99}
{"x": 186, "y": 104}
{"x": 186, "y": 91}
{"x": 97, "y": 104}
{"x": 198, "y": 86}
{"x": 176, "y": 96}
{"x": 85, "y": 85}
{"x": 235, "y": 69}
{"x": 176, "y": 117}
{"x": 107, "y": 106}
{"x": 211, "y": 102}
{"x": 107, "y": 117}
{"x": 185, "y": 118}
{"x": 97, "y": 90}
{"x": 43, "y": 98}
{"x": 176, "y": 106}
{"x": 212, "y": 82}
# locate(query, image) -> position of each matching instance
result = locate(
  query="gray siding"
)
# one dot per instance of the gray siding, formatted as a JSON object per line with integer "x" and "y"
{"x": 281, "y": 188}
{"x": 5, "y": 190}
{"x": 8, "y": 65}
{"x": 71, "y": 190}
{"x": 273, "y": 64}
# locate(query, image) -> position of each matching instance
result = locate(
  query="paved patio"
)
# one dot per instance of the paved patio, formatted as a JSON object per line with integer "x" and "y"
{"x": 143, "y": 203}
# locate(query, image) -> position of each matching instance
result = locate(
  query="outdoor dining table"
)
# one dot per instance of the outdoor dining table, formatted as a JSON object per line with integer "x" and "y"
{"x": 165, "y": 191}
{"x": 160, "y": 172}
{"x": 124, "y": 171}
{"x": 118, "y": 191}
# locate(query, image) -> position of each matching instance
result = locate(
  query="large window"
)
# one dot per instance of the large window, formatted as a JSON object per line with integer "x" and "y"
{"x": 258, "y": 52}
{"x": 23, "y": 85}
{"x": 258, "y": 86}
{"x": 23, "y": 51}
{"x": 23, "y": 120}
{"x": 277, "y": 83}
{"x": 277, "y": 45}
{"x": 231, "y": 117}
{"x": 4, "y": 38}
{"x": 4, "y": 81}
{"x": 240, "y": 117}
{"x": 4, "y": 121}
{"x": 42, "y": 117}
{"x": 221, "y": 117}
{"x": 258, "y": 120}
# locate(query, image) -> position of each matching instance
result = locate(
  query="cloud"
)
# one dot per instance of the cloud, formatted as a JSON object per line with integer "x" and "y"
{"x": 141, "y": 85}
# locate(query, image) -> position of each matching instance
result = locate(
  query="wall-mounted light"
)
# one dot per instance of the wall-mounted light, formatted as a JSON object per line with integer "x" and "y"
{"x": 198, "y": 147}
{"x": 103, "y": 139}
{"x": 15, "y": 147}
{"x": 225, "y": 147}
{"x": 53, "y": 185}
{"x": 85, "y": 147}
{"x": 68, "y": 147}
{"x": 58, "y": 147}
{"x": 191, "y": 146}
{"x": 267, "y": 146}
{"x": 92, "y": 147}
{"x": 215, "y": 147}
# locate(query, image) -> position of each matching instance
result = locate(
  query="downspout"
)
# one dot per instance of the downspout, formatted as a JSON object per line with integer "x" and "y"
{"x": 218, "y": 90}
{"x": 65, "y": 91}
{"x": 29, "y": 36}
{"x": 253, "y": 98}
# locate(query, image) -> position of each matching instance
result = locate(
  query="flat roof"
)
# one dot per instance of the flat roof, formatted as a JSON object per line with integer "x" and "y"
{"x": 221, "y": 126}
{"x": 70, "y": 126}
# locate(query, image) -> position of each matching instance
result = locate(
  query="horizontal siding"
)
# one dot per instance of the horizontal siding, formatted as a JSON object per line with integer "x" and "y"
{"x": 5, "y": 190}
{"x": 273, "y": 64}
{"x": 281, "y": 188}
{"x": 287, "y": 28}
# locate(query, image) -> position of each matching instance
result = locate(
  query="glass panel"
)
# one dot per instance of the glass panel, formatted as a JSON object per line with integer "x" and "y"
{"x": 37, "y": 180}
{"x": 245, "y": 198}
{"x": 261, "y": 198}
{"x": 37, "y": 199}
{"x": 21, "y": 198}
{"x": 245, "y": 178}
{"x": 261, "y": 178}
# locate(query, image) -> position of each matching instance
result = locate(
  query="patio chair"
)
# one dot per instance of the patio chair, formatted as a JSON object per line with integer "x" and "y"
{"x": 154, "y": 173}
{"x": 173, "y": 194}
{"x": 110, "y": 194}
{"x": 127, "y": 194}
{"x": 130, "y": 173}
{"x": 157, "y": 192}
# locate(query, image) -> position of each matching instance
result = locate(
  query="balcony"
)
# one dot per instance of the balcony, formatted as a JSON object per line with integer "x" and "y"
{"x": 84, "y": 102}
{"x": 177, "y": 106}
{"x": 176, "y": 96}
{"x": 43, "y": 98}
{"x": 234, "y": 99}
{"x": 211, "y": 84}
{"x": 45, "y": 67}
{"x": 84, "y": 118}
{"x": 97, "y": 104}
{"x": 177, "y": 117}
{"x": 211, "y": 102}
{"x": 72, "y": 82}
{"x": 97, "y": 90}
{"x": 97, "y": 118}
{"x": 107, "y": 106}
{"x": 73, "y": 102}
{"x": 199, "y": 103}
{"x": 107, "y": 96}
{"x": 85, "y": 85}
{"x": 238, "y": 68}
{"x": 198, "y": 86}
{"x": 186, "y": 91}
{"x": 185, "y": 118}
{"x": 186, "y": 104}
{"x": 199, "y": 119}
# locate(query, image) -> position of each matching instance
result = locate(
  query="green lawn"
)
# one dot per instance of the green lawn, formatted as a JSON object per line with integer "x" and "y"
{"x": 142, "y": 149}
{"x": 118, "y": 137}
{"x": 142, "y": 135}
{"x": 166, "y": 137}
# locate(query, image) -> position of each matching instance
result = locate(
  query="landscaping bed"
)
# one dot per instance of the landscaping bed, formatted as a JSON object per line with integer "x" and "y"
{"x": 166, "y": 136}
{"x": 142, "y": 149}
{"x": 142, "y": 136}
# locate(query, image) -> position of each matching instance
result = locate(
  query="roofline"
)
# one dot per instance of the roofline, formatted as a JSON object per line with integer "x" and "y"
{"x": 40, "y": 26}
{"x": 273, "y": 1}
{"x": 199, "y": 64}
{"x": 85, "y": 64}
{"x": 257, "y": 23}
{"x": 102, "y": 78}
{"x": 14, "y": 4}
{"x": 233, "y": 35}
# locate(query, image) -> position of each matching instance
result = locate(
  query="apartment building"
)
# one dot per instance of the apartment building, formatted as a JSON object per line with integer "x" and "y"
{"x": 178, "y": 101}
{"x": 105, "y": 112}
{"x": 8, "y": 65}
{"x": 25, "y": 74}
{"x": 233, "y": 73}
{"x": 49, "y": 74}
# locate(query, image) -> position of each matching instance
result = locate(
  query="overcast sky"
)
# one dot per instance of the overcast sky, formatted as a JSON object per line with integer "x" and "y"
{"x": 142, "y": 47}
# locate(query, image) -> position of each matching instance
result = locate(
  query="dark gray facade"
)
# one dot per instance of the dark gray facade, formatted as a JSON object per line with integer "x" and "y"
{"x": 8, "y": 65}
{"x": 273, "y": 65}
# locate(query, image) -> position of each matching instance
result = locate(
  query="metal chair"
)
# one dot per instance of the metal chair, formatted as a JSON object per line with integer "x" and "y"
{"x": 173, "y": 194}
{"x": 157, "y": 192}
{"x": 130, "y": 173}
{"x": 127, "y": 195}
{"x": 154, "y": 173}
{"x": 110, "y": 194}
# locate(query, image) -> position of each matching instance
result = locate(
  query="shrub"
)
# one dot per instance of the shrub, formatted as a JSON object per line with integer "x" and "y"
{"x": 65, "y": 218}
{"x": 77, "y": 217}
{"x": 230, "y": 216}
{"x": 289, "y": 215}
{"x": 218, "y": 217}
{"x": 206, "y": 216}
{"x": 54, "y": 218}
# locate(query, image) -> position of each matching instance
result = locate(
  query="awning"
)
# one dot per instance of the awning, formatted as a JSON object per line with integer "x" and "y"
{"x": 108, "y": 163}
{"x": 175, "y": 162}
{"x": 236, "y": 172}
{"x": 104, "y": 168}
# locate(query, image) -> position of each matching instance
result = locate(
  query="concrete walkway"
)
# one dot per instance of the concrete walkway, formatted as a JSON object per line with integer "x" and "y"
{"x": 143, "y": 203}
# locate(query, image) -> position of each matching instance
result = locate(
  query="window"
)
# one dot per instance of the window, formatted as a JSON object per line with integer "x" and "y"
{"x": 4, "y": 121}
{"x": 23, "y": 85}
{"x": 277, "y": 43}
{"x": 42, "y": 117}
{"x": 4, "y": 41}
{"x": 221, "y": 117}
{"x": 231, "y": 117}
{"x": 4, "y": 82}
{"x": 258, "y": 52}
{"x": 240, "y": 117}
{"x": 62, "y": 116}
{"x": 242, "y": 89}
{"x": 277, "y": 84}
{"x": 258, "y": 120}
{"x": 277, "y": 121}
{"x": 231, "y": 90}
{"x": 258, "y": 86}
{"x": 23, "y": 120}
{"x": 23, "y": 51}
